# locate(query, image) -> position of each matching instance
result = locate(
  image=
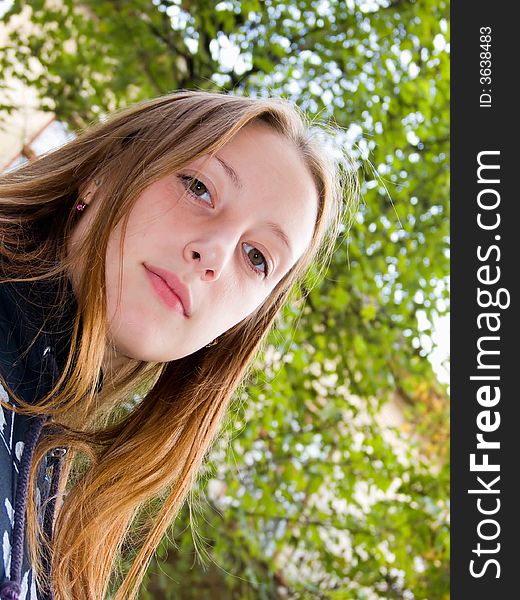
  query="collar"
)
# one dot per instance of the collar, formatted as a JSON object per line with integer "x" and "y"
{"x": 37, "y": 319}
{"x": 36, "y": 323}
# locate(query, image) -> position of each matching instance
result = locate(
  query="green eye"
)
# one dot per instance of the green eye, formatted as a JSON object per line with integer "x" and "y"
{"x": 257, "y": 259}
{"x": 196, "y": 188}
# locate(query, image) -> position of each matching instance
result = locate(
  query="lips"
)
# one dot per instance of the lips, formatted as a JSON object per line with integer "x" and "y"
{"x": 175, "y": 285}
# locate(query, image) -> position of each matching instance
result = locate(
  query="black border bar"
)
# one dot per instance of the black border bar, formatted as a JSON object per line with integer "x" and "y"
{"x": 485, "y": 240}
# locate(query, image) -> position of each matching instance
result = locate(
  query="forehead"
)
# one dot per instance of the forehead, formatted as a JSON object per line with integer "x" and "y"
{"x": 274, "y": 183}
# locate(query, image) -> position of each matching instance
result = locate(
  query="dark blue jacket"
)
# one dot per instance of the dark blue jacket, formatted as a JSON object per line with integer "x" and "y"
{"x": 34, "y": 345}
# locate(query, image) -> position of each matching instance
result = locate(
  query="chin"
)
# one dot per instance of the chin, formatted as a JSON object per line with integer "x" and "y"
{"x": 155, "y": 354}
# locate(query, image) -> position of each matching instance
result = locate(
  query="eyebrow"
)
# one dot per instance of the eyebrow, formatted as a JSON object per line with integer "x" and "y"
{"x": 231, "y": 173}
{"x": 275, "y": 228}
{"x": 280, "y": 233}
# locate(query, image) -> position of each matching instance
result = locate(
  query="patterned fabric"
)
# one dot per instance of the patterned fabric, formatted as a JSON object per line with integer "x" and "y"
{"x": 32, "y": 339}
{"x": 10, "y": 454}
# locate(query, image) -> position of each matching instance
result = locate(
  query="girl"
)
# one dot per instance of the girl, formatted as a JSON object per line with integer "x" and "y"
{"x": 152, "y": 253}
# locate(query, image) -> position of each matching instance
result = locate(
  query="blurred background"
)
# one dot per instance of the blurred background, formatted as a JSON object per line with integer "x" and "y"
{"x": 331, "y": 477}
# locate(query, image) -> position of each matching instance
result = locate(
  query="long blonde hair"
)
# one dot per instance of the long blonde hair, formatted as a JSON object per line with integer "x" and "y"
{"x": 121, "y": 460}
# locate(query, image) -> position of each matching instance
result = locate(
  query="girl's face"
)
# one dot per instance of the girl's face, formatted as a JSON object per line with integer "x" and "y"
{"x": 222, "y": 247}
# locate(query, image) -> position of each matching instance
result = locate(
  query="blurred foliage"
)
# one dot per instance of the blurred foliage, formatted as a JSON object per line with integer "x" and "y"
{"x": 306, "y": 495}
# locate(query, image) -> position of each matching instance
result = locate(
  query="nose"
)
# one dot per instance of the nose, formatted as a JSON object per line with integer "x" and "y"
{"x": 208, "y": 258}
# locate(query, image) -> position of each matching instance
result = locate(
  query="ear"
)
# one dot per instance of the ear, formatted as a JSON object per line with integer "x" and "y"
{"x": 86, "y": 194}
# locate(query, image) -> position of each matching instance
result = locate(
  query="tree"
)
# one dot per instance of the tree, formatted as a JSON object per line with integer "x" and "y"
{"x": 306, "y": 495}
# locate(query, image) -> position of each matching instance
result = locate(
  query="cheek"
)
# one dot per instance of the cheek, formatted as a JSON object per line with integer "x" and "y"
{"x": 239, "y": 302}
{"x": 124, "y": 285}
{"x": 245, "y": 297}
{"x": 251, "y": 301}
{"x": 113, "y": 254}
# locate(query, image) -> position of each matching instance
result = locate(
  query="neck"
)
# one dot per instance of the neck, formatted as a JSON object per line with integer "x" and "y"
{"x": 113, "y": 363}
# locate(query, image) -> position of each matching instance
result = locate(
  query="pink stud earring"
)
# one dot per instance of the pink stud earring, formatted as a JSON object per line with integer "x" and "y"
{"x": 80, "y": 206}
